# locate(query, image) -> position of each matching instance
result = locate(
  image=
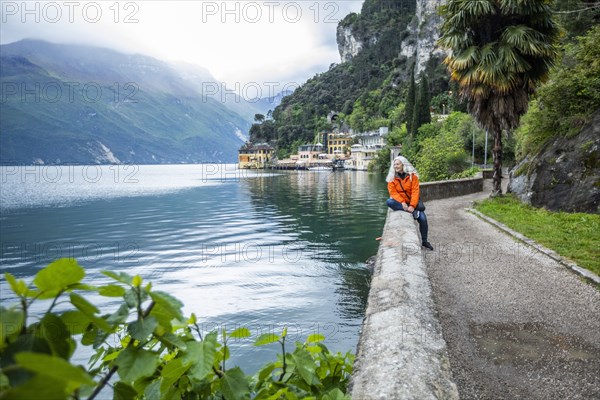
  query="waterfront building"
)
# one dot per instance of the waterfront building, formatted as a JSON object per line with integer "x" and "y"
{"x": 255, "y": 155}
{"x": 363, "y": 153}
{"x": 312, "y": 156}
{"x": 310, "y": 153}
{"x": 338, "y": 145}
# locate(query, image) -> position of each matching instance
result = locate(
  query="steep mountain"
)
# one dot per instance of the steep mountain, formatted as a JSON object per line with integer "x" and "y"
{"x": 378, "y": 49}
{"x": 418, "y": 40}
{"x": 423, "y": 32}
{"x": 81, "y": 104}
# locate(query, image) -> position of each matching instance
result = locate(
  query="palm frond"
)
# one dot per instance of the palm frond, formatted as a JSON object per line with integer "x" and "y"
{"x": 505, "y": 83}
{"x": 458, "y": 20}
{"x": 465, "y": 59}
{"x": 479, "y": 91}
{"x": 455, "y": 40}
{"x": 518, "y": 36}
{"x": 525, "y": 7}
{"x": 511, "y": 60}
{"x": 477, "y": 8}
{"x": 507, "y": 55}
{"x": 471, "y": 77}
{"x": 489, "y": 55}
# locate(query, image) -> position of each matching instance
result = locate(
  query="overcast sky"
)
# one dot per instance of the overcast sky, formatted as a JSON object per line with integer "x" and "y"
{"x": 239, "y": 42}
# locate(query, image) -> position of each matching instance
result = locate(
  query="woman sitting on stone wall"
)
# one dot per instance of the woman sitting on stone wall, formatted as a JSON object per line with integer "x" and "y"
{"x": 403, "y": 186}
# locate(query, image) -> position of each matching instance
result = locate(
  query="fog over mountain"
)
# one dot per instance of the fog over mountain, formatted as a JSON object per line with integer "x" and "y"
{"x": 83, "y": 104}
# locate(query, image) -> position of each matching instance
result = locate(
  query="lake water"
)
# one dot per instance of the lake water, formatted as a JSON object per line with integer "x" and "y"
{"x": 239, "y": 248}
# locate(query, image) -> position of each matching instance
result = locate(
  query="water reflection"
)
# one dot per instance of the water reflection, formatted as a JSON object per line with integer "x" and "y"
{"x": 258, "y": 250}
{"x": 337, "y": 215}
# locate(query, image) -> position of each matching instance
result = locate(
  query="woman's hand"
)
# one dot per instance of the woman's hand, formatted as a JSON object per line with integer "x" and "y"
{"x": 410, "y": 209}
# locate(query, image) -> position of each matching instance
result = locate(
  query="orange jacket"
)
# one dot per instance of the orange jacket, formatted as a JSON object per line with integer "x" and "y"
{"x": 410, "y": 184}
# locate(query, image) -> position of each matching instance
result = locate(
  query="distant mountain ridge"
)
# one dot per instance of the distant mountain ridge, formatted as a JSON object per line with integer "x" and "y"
{"x": 201, "y": 80}
{"x": 82, "y": 104}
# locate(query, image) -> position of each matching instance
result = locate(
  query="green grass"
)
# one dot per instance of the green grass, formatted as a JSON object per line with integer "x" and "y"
{"x": 574, "y": 236}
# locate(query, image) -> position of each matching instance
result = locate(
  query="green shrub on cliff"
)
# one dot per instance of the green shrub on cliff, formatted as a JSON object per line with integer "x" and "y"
{"x": 569, "y": 99}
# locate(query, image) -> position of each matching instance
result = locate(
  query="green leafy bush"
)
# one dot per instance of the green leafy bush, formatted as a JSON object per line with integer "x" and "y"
{"x": 441, "y": 149}
{"x": 158, "y": 354}
{"x": 467, "y": 173}
{"x": 568, "y": 101}
{"x": 441, "y": 157}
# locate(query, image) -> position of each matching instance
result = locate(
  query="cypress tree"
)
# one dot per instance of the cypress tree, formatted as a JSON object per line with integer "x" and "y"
{"x": 424, "y": 102}
{"x": 409, "y": 109}
{"x": 421, "y": 113}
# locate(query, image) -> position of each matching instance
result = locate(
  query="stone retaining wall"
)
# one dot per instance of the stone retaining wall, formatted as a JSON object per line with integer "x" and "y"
{"x": 401, "y": 353}
{"x": 451, "y": 188}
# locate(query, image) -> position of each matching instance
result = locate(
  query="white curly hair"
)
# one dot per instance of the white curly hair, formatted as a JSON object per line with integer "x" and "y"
{"x": 408, "y": 168}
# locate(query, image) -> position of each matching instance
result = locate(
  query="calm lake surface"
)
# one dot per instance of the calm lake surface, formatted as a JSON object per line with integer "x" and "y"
{"x": 239, "y": 248}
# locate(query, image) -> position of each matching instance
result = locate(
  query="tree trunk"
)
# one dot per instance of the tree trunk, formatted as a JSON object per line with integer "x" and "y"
{"x": 497, "y": 154}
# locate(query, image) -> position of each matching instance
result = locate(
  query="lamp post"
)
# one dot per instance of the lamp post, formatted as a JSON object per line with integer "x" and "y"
{"x": 395, "y": 152}
{"x": 485, "y": 157}
{"x": 473, "y": 151}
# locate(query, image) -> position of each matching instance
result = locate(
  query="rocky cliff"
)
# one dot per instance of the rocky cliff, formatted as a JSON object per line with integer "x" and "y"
{"x": 419, "y": 44}
{"x": 348, "y": 45}
{"x": 423, "y": 33}
{"x": 565, "y": 175}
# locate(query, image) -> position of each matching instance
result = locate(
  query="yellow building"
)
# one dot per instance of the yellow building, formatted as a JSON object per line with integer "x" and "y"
{"x": 338, "y": 144}
{"x": 255, "y": 155}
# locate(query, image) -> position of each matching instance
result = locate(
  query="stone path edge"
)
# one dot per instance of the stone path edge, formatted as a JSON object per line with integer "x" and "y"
{"x": 535, "y": 245}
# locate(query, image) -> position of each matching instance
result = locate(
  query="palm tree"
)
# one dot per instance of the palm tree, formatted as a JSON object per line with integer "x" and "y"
{"x": 499, "y": 51}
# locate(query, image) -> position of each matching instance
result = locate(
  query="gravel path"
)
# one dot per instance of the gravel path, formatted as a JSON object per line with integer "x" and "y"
{"x": 518, "y": 325}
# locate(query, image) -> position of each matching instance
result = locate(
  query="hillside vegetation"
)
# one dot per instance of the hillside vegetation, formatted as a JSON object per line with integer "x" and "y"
{"x": 366, "y": 91}
{"x": 377, "y": 87}
{"x": 573, "y": 93}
